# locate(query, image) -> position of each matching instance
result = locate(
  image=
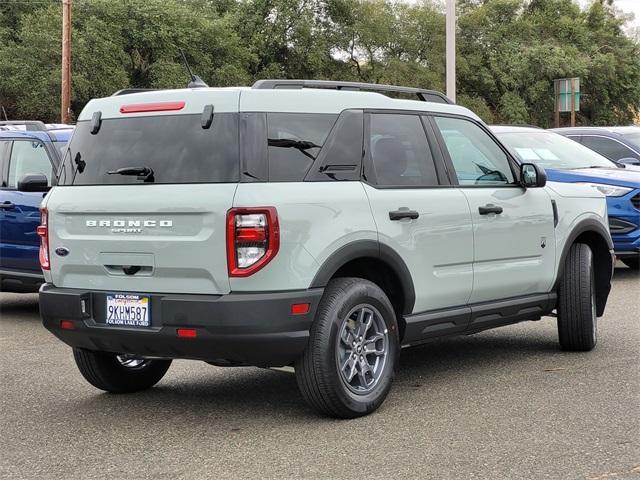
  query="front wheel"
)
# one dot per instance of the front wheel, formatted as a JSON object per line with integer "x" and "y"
{"x": 119, "y": 373}
{"x": 577, "y": 319}
{"x": 347, "y": 368}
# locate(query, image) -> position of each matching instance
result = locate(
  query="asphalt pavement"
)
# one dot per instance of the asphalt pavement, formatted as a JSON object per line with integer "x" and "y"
{"x": 503, "y": 404}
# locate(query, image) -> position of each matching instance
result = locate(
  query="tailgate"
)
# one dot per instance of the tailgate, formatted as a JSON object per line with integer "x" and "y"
{"x": 140, "y": 238}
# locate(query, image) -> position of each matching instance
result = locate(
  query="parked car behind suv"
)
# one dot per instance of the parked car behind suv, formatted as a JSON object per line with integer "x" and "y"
{"x": 322, "y": 227}
{"x": 620, "y": 144}
{"x": 29, "y": 154}
{"x": 567, "y": 161}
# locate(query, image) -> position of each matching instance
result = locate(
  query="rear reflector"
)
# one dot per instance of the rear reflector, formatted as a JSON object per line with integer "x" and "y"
{"x": 300, "y": 308}
{"x": 187, "y": 333}
{"x": 152, "y": 107}
{"x": 67, "y": 325}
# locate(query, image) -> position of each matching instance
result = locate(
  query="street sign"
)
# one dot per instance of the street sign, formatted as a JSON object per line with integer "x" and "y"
{"x": 564, "y": 88}
{"x": 566, "y": 98}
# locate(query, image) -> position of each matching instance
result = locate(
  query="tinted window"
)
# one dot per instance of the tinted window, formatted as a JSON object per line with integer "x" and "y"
{"x": 28, "y": 157}
{"x": 477, "y": 158}
{"x": 294, "y": 140}
{"x": 400, "y": 153}
{"x": 175, "y": 147}
{"x": 609, "y": 148}
{"x": 341, "y": 157}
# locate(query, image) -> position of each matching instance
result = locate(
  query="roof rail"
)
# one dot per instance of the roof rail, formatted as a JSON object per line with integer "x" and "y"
{"x": 422, "y": 94}
{"x": 30, "y": 125}
{"x": 127, "y": 91}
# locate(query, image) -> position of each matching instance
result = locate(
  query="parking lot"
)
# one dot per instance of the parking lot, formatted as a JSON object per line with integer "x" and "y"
{"x": 502, "y": 404}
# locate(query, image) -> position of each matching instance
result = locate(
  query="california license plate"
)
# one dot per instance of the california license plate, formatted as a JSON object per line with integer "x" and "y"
{"x": 128, "y": 310}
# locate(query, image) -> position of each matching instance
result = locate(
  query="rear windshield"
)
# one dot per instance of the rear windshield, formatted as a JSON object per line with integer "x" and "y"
{"x": 174, "y": 148}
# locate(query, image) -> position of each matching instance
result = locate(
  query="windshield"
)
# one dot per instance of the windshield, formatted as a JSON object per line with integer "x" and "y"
{"x": 175, "y": 148}
{"x": 550, "y": 150}
{"x": 633, "y": 137}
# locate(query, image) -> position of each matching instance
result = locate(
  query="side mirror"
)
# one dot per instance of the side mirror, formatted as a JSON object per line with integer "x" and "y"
{"x": 33, "y": 182}
{"x": 629, "y": 161}
{"x": 532, "y": 175}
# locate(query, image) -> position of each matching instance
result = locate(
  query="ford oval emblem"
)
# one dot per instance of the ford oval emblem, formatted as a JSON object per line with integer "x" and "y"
{"x": 62, "y": 251}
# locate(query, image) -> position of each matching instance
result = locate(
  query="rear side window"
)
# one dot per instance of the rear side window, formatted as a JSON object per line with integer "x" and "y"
{"x": 294, "y": 141}
{"x": 175, "y": 147}
{"x": 28, "y": 157}
{"x": 400, "y": 154}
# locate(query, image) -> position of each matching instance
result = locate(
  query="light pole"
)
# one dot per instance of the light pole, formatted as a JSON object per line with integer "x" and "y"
{"x": 65, "y": 111}
{"x": 451, "y": 49}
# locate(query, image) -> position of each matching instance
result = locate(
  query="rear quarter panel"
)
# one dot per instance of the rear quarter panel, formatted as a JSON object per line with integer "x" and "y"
{"x": 316, "y": 219}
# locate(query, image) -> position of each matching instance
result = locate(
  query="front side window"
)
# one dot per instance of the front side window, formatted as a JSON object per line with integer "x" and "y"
{"x": 607, "y": 147}
{"x": 477, "y": 159}
{"x": 400, "y": 153}
{"x": 28, "y": 157}
{"x": 294, "y": 141}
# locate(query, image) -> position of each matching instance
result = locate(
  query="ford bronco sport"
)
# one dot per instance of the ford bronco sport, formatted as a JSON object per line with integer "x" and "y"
{"x": 305, "y": 223}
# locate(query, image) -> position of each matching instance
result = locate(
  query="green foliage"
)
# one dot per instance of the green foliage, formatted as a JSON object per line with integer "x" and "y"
{"x": 509, "y": 51}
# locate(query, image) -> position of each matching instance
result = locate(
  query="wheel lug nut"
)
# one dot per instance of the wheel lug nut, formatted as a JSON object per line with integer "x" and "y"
{"x": 361, "y": 358}
{"x": 354, "y": 355}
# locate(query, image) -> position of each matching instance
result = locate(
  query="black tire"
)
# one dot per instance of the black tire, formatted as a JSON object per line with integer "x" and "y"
{"x": 104, "y": 371}
{"x": 577, "y": 319}
{"x": 318, "y": 373}
{"x": 632, "y": 262}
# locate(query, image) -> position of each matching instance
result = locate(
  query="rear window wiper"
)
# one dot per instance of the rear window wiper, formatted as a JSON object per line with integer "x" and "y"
{"x": 301, "y": 145}
{"x": 143, "y": 173}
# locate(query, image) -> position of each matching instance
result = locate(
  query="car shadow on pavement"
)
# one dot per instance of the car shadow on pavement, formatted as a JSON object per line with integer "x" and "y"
{"x": 21, "y": 306}
{"x": 233, "y": 393}
{"x": 625, "y": 273}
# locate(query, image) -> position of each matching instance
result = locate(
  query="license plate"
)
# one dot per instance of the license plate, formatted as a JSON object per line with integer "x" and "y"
{"x": 128, "y": 310}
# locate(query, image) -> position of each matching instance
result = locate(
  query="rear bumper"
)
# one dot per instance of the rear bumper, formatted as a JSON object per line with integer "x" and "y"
{"x": 239, "y": 328}
{"x": 20, "y": 282}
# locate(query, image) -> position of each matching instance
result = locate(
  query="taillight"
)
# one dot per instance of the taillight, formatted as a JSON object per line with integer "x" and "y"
{"x": 43, "y": 232}
{"x": 253, "y": 239}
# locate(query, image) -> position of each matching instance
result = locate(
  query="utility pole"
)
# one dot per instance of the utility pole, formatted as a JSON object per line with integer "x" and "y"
{"x": 451, "y": 50}
{"x": 65, "y": 108}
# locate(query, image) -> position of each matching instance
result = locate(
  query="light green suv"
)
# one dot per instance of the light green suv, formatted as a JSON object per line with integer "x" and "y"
{"x": 322, "y": 225}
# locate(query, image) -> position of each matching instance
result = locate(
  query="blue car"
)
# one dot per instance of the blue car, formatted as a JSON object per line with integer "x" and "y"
{"x": 30, "y": 152}
{"x": 620, "y": 144}
{"x": 570, "y": 162}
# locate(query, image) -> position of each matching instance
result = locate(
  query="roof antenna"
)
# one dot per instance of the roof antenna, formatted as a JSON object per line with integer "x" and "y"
{"x": 196, "y": 81}
{"x": 5, "y": 113}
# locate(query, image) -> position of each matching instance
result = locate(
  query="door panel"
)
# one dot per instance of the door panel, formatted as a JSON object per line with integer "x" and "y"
{"x": 428, "y": 225}
{"x": 513, "y": 230}
{"x": 514, "y": 250}
{"x": 437, "y": 246}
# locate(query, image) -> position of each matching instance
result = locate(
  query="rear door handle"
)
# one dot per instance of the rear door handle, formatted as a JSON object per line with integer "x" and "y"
{"x": 490, "y": 208}
{"x": 7, "y": 205}
{"x": 403, "y": 212}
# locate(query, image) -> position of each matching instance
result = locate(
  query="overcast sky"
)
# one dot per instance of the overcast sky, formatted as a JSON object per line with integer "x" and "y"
{"x": 629, "y": 6}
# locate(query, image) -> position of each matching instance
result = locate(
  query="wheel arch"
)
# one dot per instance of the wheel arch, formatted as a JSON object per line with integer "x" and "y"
{"x": 378, "y": 263}
{"x": 597, "y": 237}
